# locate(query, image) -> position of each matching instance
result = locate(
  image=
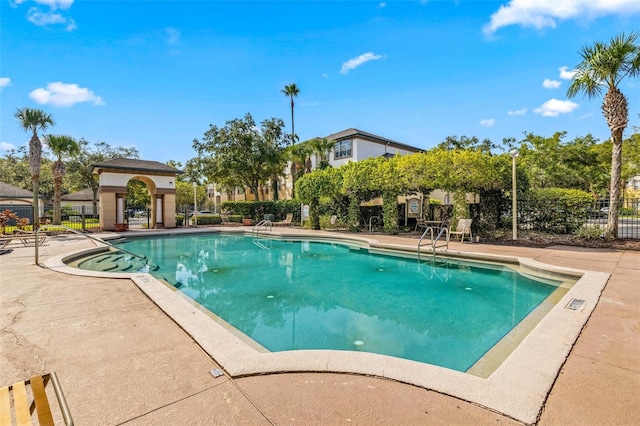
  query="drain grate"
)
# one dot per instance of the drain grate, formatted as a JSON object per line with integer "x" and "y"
{"x": 575, "y": 304}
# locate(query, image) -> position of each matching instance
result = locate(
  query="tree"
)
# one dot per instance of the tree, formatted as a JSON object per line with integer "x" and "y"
{"x": 322, "y": 147}
{"x": 604, "y": 66}
{"x": 80, "y": 169}
{"x": 297, "y": 156}
{"x": 240, "y": 153}
{"x": 292, "y": 91}
{"x": 34, "y": 120}
{"x": 61, "y": 146}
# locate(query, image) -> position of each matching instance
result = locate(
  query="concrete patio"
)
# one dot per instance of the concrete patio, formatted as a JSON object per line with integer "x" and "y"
{"x": 122, "y": 360}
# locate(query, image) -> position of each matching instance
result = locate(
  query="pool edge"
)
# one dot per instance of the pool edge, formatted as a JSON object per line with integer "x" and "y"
{"x": 518, "y": 388}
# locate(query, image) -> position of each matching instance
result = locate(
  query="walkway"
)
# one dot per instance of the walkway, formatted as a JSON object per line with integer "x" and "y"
{"x": 121, "y": 360}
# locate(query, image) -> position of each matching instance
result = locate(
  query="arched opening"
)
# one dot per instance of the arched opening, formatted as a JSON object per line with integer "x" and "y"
{"x": 145, "y": 186}
{"x": 138, "y": 205}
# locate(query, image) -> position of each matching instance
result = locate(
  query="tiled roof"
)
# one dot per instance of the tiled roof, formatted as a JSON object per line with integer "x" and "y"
{"x": 356, "y": 133}
{"x": 82, "y": 195}
{"x": 134, "y": 164}
{"x": 10, "y": 191}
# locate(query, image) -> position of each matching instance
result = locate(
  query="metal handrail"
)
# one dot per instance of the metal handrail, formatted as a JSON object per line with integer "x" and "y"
{"x": 266, "y": 224}
{"x": 434, "y": 242}
{"x": 84, "y": 235}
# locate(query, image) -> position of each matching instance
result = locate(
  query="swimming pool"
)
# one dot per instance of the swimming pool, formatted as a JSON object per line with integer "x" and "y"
{"x": 293, "y": 295}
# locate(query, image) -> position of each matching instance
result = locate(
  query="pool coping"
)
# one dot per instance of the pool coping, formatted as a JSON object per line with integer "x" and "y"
{"x": 518, "y": 388}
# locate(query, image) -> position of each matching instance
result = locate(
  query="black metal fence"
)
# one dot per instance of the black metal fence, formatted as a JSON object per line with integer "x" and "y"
{"x": 556, "y": 217}
{"x": 80, "y": 218}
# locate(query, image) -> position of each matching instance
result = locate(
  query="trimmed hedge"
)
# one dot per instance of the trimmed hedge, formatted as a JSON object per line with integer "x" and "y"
{"x": 257, "y": 209}
{"x": 554, "y": 210}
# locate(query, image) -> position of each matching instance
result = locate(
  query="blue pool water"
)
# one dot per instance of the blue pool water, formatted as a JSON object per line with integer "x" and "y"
{"x": 289, "y": 295}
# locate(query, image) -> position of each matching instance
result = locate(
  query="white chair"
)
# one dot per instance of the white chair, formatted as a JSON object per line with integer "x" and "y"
{"x": 463, "y": 228}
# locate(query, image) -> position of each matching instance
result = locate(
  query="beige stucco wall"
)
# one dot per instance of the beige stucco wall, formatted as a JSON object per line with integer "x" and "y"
{"x": 108, "y": 211}
{"x": 114, "y": 183}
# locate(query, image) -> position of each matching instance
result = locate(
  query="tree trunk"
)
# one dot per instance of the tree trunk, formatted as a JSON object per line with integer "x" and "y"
{"x": 35, "y": 180}
{"x": 57, "y": 196}
{"x": 35, "y": 155}
{"x": 293, "y": 132}
{"x": 614, "y": 190}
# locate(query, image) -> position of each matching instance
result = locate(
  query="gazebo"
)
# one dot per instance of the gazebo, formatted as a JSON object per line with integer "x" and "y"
{"x": 115, "y": 174}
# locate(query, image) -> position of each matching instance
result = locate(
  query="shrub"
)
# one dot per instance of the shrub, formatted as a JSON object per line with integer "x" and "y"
{"x": 209, "y": 219}
{"x": 179, "y": 220}
{"x": 590, "y": 232}
{"x": 554, "y": 210}
{"x": 257, "y": 209}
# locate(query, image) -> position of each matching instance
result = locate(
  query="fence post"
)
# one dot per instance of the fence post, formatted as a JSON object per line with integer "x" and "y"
{"x": 84, "y": 229}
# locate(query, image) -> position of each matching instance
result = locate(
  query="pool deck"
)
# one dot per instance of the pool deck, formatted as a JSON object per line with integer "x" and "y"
{"x": 122, "y": 360}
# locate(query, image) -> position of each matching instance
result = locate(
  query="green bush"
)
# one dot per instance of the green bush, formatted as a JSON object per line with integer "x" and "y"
{"x": 554, "y": 210}
{"x": 257, "y": 209}
{"x": 590, "y": 232}
{"x": 179, "y": 220}
{"x": 209, "y": 219}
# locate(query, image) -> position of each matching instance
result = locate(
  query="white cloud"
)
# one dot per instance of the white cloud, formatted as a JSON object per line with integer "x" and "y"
{"x": 4, "y": 81}
{"x": 555, "y": 107}
{"x": 65, "y": 95}
{"x": 551, "y": 84}
{"x": 522, "y": 111}
{"x": 545, "y": 13}
{"x": 6, "y": 146}
{"x": 382, "y": 4}
{"x": 173, "y": 36}
{"x": 489, "y": 122}
{"x": 356, "y": 62}
{"x": 56, "y": 4}
{"x": 567, "y": 75}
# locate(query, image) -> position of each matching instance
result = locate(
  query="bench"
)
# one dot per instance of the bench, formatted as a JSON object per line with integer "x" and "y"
{"x": 19, "y": 401}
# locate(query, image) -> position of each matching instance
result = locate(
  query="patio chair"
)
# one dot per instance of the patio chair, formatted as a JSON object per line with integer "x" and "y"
{"x": 420, "y": 223}
{"x": 286, "y": 222}
{"x": 227, "y": 222}
{"x": 21, "y": 399}
{"x": 28, "y": 238}
{"x": 463, "y": 228}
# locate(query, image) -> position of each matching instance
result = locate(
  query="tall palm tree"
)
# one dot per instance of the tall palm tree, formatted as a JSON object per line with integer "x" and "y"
{"x": 61, "y": 146}
{"x": 34, "y": 120}
{"x": 604, "y": 66}
{"x": 292, "y": 91}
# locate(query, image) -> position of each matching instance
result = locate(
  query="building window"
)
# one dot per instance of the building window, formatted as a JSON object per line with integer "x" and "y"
{"x": 342, "y": 149}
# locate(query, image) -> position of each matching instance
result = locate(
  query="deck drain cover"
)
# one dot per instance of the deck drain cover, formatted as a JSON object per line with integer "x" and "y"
{"x": 216, "y": 372}
{"x": 575, "y": 304}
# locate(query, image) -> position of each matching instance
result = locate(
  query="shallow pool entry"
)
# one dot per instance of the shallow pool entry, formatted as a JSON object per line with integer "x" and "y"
{"x": 292, "y": 295}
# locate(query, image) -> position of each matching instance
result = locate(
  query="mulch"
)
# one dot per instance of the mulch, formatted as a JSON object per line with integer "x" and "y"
{"x": 546, "y": 240}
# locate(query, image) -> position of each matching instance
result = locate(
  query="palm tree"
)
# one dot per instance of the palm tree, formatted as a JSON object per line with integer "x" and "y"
{"x": 604, "y": 66}
{"x": 298, "y": 155}
{"x": 34, "y": 120}
{"x": 322, "y": 148}
{"x": 60, "y": 146}
{"x": 291, "y": 90}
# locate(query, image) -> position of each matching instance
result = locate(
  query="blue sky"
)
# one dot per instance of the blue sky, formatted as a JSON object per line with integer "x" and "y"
{"x": 155, "y": 74}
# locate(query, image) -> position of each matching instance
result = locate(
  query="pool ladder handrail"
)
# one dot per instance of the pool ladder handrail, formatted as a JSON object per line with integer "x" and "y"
{"x": 434, "y": 242}
{"x": 98, "y": 240}
{"x": 266, "y": 226}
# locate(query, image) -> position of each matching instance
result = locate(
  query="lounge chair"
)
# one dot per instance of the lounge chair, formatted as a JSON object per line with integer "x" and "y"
{"x": 286, "y": 222}
{"x": 28, "y": 238}
{"x": 463, "y": 228}
{"x": 227, "y": 222}
{"x": 19, "y": 403}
